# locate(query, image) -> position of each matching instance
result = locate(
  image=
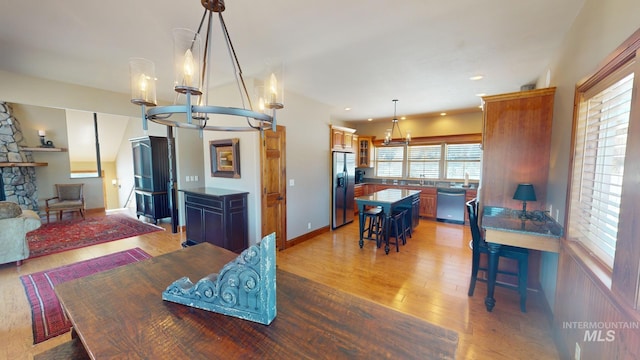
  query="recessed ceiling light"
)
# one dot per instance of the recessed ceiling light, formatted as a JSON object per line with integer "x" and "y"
{"x": 347, "y": 109}
{"x": 443, "y": 113}
{"x": 369, "y": 119}
{"x": 403, "y": 118}
{"x": 477, "y": 77}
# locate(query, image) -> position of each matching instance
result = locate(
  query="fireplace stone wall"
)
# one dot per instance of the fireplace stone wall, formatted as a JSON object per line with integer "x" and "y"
{"x": 19, "y": 182}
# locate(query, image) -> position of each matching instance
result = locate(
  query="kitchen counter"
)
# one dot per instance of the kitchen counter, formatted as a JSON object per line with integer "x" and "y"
{"x": 425, "y": 184}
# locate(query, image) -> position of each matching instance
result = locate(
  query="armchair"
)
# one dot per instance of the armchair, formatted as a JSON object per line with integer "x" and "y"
{"x": 15, "y": 224}
{"x": 70, "y": 198}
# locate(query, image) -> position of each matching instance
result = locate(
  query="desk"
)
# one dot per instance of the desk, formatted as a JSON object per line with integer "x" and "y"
{"x": 120, "y": 314}
{"x": 504, "y": 226}
{"x": 387, "y": 199}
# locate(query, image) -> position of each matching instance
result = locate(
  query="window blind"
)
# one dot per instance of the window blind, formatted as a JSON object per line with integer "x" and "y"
{"x": 599, "y": 154}
{"x": 424, "y": 161}
{"x": 462, "y": 159}
{"x": 389, "y": 161}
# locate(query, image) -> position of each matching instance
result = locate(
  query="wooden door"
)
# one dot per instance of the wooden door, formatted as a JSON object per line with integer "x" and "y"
{"x": 274, "y": 195}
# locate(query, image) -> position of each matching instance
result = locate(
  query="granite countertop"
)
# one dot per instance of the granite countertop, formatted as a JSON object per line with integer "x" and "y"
{"x": 425, "y": 184}
{"x": 536, "y": 223}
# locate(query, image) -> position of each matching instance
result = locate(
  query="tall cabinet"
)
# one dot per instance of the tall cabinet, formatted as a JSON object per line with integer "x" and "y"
{"x": 151, "y": 177}
{"x": 516, "y": 146}
{"x": 516, "y": 149}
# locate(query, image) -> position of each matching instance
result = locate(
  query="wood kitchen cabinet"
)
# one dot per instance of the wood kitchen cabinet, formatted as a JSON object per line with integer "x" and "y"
{"x": 217, "y": 216}
{"x": 365, "y": 151}
{"x": 428, "y": 202}
{"x": 516, "y": 146}
{"x": 342, "y": 138}
{"x": 358, "y": 190}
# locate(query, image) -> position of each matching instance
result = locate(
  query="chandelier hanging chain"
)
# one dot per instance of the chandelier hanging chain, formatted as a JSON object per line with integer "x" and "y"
{"x": 237, "y": 69}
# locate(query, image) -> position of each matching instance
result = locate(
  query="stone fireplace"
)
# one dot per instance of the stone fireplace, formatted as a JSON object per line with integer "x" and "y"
{"x": 18, "y": 183}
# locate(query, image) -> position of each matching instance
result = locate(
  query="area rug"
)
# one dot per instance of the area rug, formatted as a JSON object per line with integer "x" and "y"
{"x": 49, "y": 319}
{"x": 73, "y": 234}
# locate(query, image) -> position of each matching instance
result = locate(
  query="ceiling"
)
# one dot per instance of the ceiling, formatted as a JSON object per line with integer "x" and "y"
{"x": 358, "y": 53}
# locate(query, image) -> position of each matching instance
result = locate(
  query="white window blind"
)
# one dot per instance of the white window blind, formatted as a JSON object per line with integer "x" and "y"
{"x": 598, "y": 165}
{"x": 424, "y": 161}
{"x": 389, "y": 160}
{"x": 462, "y": 159}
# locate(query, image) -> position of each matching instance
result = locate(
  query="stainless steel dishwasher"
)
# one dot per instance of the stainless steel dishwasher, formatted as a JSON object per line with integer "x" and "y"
{"x": 450, "y": 205}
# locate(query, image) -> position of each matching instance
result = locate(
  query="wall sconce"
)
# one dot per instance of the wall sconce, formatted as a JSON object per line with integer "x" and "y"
{"x": 43, "y": 143}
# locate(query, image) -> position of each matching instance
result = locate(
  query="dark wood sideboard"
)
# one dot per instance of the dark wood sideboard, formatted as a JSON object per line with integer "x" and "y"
{"x": 216, "y": 216}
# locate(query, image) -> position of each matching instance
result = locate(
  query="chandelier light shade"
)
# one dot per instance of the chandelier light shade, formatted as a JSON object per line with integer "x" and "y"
{"x": 388, "y": 138}
{"x": 186, "y": 59}
{"x": 143, "y": 83}
{"x": 191, "y": 80}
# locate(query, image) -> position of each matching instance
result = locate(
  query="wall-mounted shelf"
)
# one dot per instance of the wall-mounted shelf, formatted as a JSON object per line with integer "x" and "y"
{"x": 43, "y": 149}
{"x": 22, "y": 164}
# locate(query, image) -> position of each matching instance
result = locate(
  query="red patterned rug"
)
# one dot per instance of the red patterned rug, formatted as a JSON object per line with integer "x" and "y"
{"x": 49, "y": 319}
{"x": 73, "y": 234}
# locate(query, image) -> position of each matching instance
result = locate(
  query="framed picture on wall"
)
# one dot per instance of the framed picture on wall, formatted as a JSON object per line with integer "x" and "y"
{"x": 225, "y": 158}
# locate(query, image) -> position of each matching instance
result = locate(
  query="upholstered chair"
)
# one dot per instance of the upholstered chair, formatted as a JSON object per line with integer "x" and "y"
{"x": 15, "y": 224}
{"x": 70, "y": 197}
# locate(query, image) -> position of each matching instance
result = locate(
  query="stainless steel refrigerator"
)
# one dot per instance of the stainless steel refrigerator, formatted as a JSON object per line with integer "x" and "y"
{"x": 344, "y": 171}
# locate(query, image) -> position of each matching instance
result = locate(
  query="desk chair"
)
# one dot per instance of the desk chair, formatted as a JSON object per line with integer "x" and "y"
{"x": 479, "y": 246}
{"x": 70, "y": 197}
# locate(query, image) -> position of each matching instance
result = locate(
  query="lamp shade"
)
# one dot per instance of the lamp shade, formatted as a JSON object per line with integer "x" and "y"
{"x": 525, "y": 192}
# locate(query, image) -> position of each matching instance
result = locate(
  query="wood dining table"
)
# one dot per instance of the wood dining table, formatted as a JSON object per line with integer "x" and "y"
{"x": 388, "y": 200}
{"x": 120, "y": 314}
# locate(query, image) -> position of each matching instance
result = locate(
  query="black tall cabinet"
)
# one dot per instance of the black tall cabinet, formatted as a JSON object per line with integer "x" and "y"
{"x": 151, "y": 177}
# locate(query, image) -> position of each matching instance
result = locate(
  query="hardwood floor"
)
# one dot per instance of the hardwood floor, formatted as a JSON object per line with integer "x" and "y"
{"x": 428, "y": 279}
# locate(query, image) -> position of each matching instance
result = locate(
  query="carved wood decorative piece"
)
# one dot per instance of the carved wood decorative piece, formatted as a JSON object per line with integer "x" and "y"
{"x": 244, "y": 288}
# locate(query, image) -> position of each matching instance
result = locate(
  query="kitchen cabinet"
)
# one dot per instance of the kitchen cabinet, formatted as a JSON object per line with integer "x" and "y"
{"x": 151, "y": 177}
{"x": 365, "y": 151}
{"x": 216, "y": 216}
{"x": 516, "y": 146}
{"x": 342, "y": 138}
{"x": 428, "y": 202}
{"x": 358, "y": 190}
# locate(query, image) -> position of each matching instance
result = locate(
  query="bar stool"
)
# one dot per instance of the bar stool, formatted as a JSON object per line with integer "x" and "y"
{"x": 375, "y": 227}
{"x": 408, "y": 222}
{"x": 397, "y": 229}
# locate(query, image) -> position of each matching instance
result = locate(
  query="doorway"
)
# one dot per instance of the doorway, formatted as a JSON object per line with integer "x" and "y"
{"x": 274, "y": 190}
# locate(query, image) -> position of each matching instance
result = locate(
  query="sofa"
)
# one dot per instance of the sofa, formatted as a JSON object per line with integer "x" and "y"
{"x": 15, "y": 223}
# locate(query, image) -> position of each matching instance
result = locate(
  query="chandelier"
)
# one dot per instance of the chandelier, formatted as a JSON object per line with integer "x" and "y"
{"x": 192, "y": 80}
{"x": 388, "y": 137}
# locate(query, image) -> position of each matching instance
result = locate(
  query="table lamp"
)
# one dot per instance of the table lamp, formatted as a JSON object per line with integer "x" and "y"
{"x": 525, "y": 193}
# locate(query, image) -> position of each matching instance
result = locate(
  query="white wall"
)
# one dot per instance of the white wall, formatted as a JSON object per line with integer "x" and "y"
{"x": 307, "y": 162}
{"x": 598, "y": 30}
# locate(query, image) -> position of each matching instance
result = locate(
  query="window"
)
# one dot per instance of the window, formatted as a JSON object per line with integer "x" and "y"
{"x": 462, "y": 159}
{"x": 600, "y": 142}
{"x": 389, "y": 160}
{"x": 424, "y": 161}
